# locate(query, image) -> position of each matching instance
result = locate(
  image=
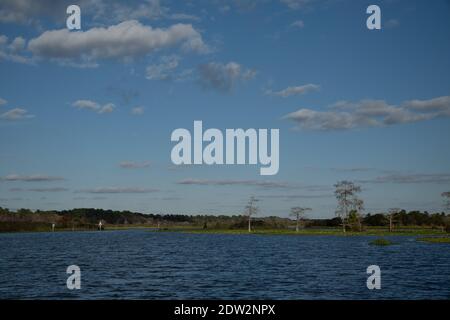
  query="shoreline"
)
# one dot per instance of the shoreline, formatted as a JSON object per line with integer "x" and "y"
{"x": 302, "y": 232}
{"x": 316, "y": 232}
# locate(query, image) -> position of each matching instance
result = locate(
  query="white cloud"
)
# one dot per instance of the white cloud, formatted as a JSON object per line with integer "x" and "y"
{"x": 107, "y": 108}
{"x": 297, "y": 90}
{"x": 14, "y": 51}
{"x": 370, "y": 113}
{"x": 137, "y": 111}
{"x": 125, "y": 40}
{"x": 223, "y": 77}
{"x": 16, "y": 114}
{"x": 18, "y": 44}
{"x": 298, "y": 24}
{"x": 3, "y": 102}
{"x": 296, "y": 4}
{"x": 94, "y": 106}
{"x": 440, "y": 105}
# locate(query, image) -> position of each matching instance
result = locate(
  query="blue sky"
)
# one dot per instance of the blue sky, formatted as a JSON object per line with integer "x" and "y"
{"x": 86, "y": 116}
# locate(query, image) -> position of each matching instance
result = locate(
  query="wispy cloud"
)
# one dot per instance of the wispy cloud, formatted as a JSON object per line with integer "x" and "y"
{"x": 392, "y": 23}
{"x": 254, "y": 183}
{"x": 134, "y": 165}
{"x": 138, "y": 111}
{"x": 118, "y": 190}
{"x": 30, "y": 178}
{"x": 223, "y": 77}
{"x": 411, "y": 178}
{"x": 94, "y": 106}
{"x": 48, "y": 189}
{"x": 164, "y": 69}
{"x": 292, "y": 197}
{"x": 370, "y": 113}
{"x": 298, "y": 24}
{"x": 296, "y": 4}
{"x": 16, "y": 114}
{"x": 354, "y": 169}
{"x": 295, "y": 90}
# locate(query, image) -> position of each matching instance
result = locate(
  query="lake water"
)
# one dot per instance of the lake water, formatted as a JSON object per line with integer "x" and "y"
{"x": 141, "y": 264}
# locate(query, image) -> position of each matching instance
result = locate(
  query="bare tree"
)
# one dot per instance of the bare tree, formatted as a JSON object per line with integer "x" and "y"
{"x": 298, "y": 213}
{"x": 346, "y": 195}
{"x": 446, "y": 196}
{"x": 391, "y": 214}
{"x": 250, "y": 210}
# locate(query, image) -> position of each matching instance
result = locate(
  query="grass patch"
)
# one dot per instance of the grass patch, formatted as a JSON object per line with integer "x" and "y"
{"x": 381, "y": 242}
{"x": 435, "y": 239}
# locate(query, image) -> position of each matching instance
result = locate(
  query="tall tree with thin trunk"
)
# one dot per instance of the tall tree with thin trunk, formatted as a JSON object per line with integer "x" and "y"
{"x": 446, "y": 196}
{"x": 250, "y": 210}
{"x": 346, "y": 195}
{"x": 298, "y": 213}
{"x": 391, "y": 216}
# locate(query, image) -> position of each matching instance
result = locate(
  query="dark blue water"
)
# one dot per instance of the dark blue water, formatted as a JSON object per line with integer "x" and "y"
{"x": 141, "y": 264}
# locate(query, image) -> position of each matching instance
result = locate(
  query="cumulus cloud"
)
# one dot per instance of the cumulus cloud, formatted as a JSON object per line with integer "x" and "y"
{"x": 370, "y": 113}
{"x": 296, "y": 90}
{"x": 126, "y": 40}
{"x": 30, "y": 178}
{"x": 223, "y": 77}
{"x": 255, "y": 183}
{"x": 118, "y": 190}
{"x": 134, "y": 165}
{"x": 94, "y": 106}
{"x": 14, "y": 50}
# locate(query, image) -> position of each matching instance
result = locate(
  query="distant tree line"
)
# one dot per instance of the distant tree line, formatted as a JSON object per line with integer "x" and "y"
{"x": 349, "y": 216}
{"x": 402, "y": 218}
